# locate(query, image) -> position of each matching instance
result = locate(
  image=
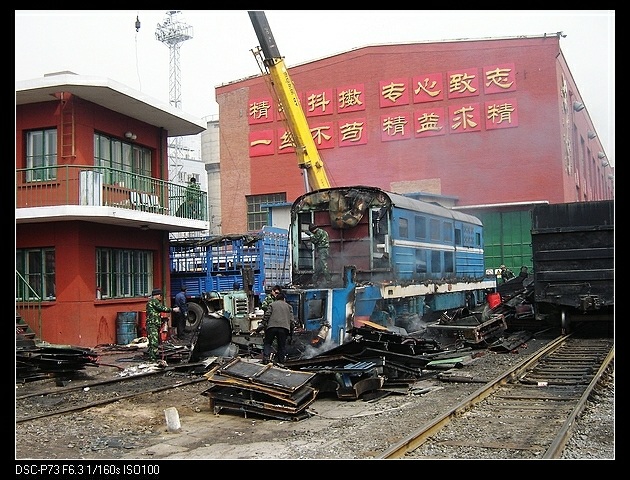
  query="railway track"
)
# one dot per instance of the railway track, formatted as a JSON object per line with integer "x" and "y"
{"x": 77, "y": 425}
{"x": 49, "y": 403}
{"x": 527, "y": 412}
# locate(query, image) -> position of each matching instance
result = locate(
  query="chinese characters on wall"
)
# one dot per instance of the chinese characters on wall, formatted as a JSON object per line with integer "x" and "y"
{"x": 426, "y": 93}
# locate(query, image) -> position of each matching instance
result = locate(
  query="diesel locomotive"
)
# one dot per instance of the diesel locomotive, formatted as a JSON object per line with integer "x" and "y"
{"x": 394, "y": 261}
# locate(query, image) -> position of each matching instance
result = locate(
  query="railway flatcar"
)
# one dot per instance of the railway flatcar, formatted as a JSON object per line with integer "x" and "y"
{"x": 573, "y": 259}
{"x": 394, "y": 260}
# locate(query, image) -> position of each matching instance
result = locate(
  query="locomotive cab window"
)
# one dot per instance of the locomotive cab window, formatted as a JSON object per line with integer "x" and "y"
{"x": 434, "y": 229}
{"x": 458, "y": 236}
{"x": 403, "y": 227}
{"x": 421, "y": 261}
{"x": 315, "y": 308}
{"x": 420, "y": 225}
{"x": 436, "y": 261}
{"x": 447, "y": 231}
{"x": 449, "y": 263}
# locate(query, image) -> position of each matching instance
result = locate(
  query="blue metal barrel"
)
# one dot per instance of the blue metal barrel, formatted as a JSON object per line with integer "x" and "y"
{"x": 126, "y": 327}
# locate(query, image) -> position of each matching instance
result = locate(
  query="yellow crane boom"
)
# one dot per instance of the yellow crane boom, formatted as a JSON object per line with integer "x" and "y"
{"x": 286, "y": 94}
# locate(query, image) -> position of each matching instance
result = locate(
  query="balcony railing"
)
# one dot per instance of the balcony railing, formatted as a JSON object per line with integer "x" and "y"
{"x": 102, "y": 186}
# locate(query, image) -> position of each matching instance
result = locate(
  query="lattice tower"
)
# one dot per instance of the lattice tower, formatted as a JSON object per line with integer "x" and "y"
{"x": 173, "y": 32}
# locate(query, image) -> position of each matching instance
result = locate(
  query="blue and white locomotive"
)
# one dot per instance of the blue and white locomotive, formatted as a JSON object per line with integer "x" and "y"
{"x": 395, "y": 261}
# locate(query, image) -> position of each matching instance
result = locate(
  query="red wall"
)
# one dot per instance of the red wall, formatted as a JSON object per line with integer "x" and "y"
{"x": 76, "y": 317}
{"x": 89, "y": 118}
{"x": 519, "y": 164}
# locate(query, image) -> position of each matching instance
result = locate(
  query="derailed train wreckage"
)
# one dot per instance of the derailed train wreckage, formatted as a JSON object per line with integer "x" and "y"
{"x": 395, "y": 261}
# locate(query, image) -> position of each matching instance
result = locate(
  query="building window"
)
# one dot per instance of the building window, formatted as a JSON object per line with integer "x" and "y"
{"x": 41, "y": 155}
{"x": 126, "y": 164}
{"x": 258, "y": 216}
{"x": 123, "y": 273}
{"x": 184, "y": 177}
{"x": 37, "y": 266}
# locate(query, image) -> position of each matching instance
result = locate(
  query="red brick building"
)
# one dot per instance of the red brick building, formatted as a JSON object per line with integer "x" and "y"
{"x": 495, "y": 122}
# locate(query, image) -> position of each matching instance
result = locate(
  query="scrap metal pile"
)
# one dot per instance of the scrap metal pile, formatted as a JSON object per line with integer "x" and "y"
{"x": 373, "y": 363}
{"x": 471, "y": 328}
{"x": 373, "y": 358}
{"x": 376, "y": 359}
{"x": 266, "y": 390}
{"x": 34, "y": 361}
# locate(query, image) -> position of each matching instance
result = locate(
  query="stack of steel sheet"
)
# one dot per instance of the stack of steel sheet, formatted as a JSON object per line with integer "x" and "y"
{"x": 266, "y": 390}
{"x": 41, "y": 360}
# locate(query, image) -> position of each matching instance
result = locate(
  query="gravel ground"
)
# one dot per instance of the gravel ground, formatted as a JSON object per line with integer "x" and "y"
{"x": 594, "y": 436}
{"x": 136, "y": 429}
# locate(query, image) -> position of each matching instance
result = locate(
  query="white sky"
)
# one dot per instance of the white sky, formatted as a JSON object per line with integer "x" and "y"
{"x": 105, "y": 43}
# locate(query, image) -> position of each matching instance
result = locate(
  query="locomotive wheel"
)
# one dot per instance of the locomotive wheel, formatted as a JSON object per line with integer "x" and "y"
{"x": 193, "y": 319}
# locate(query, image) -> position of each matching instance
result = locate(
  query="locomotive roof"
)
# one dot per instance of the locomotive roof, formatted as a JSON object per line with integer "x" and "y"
{"x": 396, "y": 199}
{"x": 431, "y": 208}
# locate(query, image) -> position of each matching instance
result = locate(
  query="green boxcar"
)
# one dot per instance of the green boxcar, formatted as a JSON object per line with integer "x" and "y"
{"x": 507, "y": 238}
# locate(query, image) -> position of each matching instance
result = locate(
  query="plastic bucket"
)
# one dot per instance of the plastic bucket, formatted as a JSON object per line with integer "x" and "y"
{"x": 494, "y": 299}
{"x": 142, "y": 323}
{"x": 125, "y": 327}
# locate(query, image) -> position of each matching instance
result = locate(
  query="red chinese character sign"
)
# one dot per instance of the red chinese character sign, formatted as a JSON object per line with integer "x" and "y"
{"x": 353, "y": 132}
{"x": 428, "y": 88}
{"x": 396, "y": 127}
{"x": 394, "y": 92}
{"x": 429, "y": 122}
{"x": 260, "y": 111}
{"x": 463, "y": 83}
{"x": 351, "y": 98}
{"x": 499, "y": 78}
{"x": 324, "y": 135}
{"x": 428, "y": 93}
{"x": 319, "y": 102}
{"x": 285, "y": 142}
{"x": 465, "y": 118}
{"x": 261, "y": 143}
{"x": 501, "y": 114}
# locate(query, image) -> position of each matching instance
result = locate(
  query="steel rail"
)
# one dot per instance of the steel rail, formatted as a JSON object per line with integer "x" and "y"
{"x": 557, "y": 445}
{"x": 108, "y": 400}
{"x": 422, "y": 434}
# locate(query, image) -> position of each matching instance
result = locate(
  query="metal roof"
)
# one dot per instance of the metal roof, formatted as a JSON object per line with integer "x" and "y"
{"x": 111, "y": 95}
